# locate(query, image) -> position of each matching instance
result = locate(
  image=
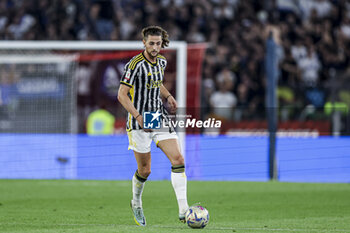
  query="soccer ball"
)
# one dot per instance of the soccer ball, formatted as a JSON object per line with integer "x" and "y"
{"x": 197, "y": 217}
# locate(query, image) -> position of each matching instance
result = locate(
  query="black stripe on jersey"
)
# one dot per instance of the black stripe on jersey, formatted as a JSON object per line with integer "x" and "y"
{"x": 152, "y": 94}
{"x": 150, "y": 89}
{"x": 154, "y": 90}
{"x": 158, "y": 79}
{"x": 137, "y": 98}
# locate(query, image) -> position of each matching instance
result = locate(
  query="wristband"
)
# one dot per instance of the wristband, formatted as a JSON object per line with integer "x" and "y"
{"x": 168, "y": 97}
{"x": 137, "y": 116}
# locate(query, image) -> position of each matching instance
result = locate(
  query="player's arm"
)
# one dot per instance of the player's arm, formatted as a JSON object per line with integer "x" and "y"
{"x": 169, "y": 98}
{"x": 127, "y": 104}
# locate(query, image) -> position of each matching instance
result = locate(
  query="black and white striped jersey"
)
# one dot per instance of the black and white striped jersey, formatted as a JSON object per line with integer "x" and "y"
{"x": 145, "y": 79}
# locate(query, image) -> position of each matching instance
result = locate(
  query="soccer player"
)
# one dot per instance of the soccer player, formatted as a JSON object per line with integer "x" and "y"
{"x": 140, "y": 91}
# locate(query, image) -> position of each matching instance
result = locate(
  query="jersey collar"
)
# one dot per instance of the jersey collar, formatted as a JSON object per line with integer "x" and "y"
{"x": 151, "y": 63}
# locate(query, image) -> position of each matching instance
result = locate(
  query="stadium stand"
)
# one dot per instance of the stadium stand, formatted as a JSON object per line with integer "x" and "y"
{"x": 314, "y": 36}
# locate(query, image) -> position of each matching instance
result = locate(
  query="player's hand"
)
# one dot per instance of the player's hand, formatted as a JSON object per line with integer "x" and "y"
{"x": 140, "y": 121}
{"x": 172, "y": 104}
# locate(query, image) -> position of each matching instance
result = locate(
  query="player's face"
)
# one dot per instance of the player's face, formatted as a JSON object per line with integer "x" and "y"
{"x": 153, "y": 45}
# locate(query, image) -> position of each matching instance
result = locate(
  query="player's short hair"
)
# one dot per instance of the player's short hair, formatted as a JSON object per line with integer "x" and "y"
{"x": 156, "y": 31}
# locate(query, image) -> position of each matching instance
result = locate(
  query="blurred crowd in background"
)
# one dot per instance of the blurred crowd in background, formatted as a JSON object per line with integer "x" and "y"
{"x": 313, "y": 38}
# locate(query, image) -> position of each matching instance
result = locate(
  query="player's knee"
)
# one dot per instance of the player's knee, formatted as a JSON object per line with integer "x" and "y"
{"x": 145, "y": 172}
{"x": 178, "y": 160}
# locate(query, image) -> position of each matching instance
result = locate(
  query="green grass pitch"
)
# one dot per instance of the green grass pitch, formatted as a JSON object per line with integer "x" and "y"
{"x": 103, "y": 206}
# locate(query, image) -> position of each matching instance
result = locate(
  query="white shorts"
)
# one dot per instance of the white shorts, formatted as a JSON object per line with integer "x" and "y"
{"x": 140, "y": 141}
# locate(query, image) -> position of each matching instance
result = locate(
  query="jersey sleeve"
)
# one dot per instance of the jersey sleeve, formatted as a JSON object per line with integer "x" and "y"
{"x": 129, "y": 75}
{"x": 163, "y": 62}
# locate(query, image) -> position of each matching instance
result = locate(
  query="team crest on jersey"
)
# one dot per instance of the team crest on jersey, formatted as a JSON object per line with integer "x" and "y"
{"x": 154, "y": 84}
{"x": 127, "y": 75}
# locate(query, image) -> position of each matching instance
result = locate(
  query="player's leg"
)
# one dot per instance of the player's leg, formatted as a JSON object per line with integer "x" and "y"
{"x": 138, "y": 181}
{"x": 171, "y": 149}
{"x": 139, "y": 142}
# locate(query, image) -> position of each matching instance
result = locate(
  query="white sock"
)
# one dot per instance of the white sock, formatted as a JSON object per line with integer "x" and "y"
{"x": 137, "y": 188}
{"x": 179, "y": 182}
